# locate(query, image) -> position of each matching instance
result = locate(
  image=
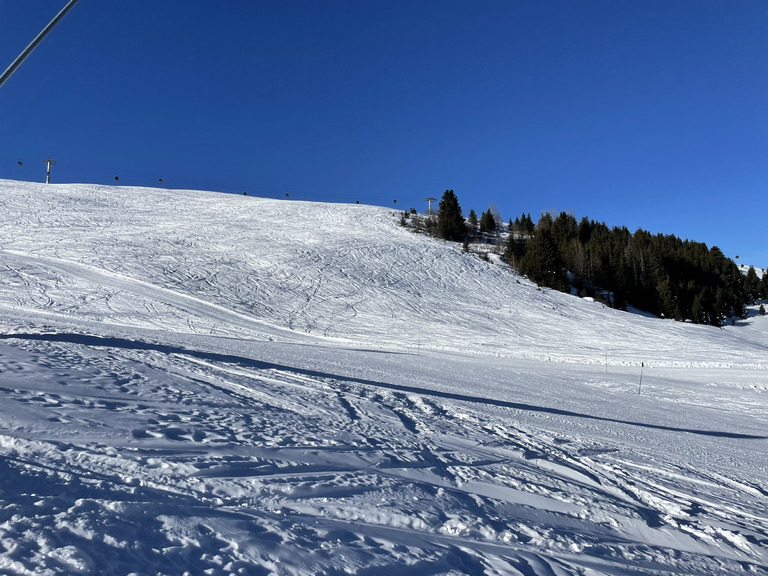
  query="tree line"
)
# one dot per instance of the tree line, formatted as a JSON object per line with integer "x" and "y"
{"x": 657, "y": 273}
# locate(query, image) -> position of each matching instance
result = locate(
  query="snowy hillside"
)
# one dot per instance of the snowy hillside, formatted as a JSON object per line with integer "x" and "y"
{"x": 204, "y": 383}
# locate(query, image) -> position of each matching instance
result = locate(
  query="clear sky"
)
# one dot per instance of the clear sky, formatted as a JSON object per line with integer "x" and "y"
{"x": 641, "y": 113}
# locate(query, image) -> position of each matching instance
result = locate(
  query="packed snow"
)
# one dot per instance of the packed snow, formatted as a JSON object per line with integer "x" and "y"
{"x": 203, "y": 383}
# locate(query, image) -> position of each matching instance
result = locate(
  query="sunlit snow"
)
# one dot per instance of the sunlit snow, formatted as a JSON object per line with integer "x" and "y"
{"x": 205, "y": 383}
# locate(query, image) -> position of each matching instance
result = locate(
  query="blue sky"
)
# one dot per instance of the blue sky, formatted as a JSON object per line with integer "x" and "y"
{"x": 650, "y": 114}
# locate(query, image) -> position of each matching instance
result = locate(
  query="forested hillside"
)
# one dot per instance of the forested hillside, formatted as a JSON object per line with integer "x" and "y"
{"x": 657, "y": 273}
{"x": 660, "y": 273}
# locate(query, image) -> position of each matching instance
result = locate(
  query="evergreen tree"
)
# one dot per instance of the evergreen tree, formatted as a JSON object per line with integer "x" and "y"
{"x": 495, "y": 213}
{"x": 472, "y": 226}
{"x": 585, "y": 230}
{"x": 529, "y": 226}
{"x": 430, "y": 225}
{"x": 565, "y": 229}
{"x": 543, "y": 263}
{"x": 762, "y": 310}
{"x": 487, "y": 222}
{"x": 666, "y": 299}
{"x": 545, "y": 222}
{"x": 450, "y": 222}
{"x": 515, "y": 251}
{"x": 752, "y": 285}
{"x": 472, "y": 218}
{"x": 522, "y": 225}
{"x": 698, "y": 311}
{"x": 718, "y": 315}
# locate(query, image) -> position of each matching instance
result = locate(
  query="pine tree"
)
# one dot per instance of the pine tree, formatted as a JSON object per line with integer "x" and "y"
{"x": 585, "y": 230}
{"x": 487, "y": 222}
{"x": 515, "y": 251}
{"x": 528, "y": 226}
{"x": 450, "y": 222}
{"x": 472, "y": 218}
{"x": 471, "y": 226}
{"x": 698, "y": 309}
{"x": 666, "y": 299}
{"x": 752, "y": 285}
{"x": 543, "y": 263}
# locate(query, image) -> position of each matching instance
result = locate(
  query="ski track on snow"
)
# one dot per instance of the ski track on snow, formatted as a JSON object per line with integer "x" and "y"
{"x": 190, "y": 393}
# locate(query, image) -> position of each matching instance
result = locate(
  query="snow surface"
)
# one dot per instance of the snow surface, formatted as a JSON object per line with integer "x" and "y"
{"x": 200, "y": 383}
{"x": 744, "y": 268}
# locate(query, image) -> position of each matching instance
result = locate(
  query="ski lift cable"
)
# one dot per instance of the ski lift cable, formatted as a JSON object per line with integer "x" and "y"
{"x": 29, "y": 49}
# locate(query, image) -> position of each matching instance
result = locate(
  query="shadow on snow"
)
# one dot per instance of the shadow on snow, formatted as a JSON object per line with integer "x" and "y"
{"x": 124, "y": 343}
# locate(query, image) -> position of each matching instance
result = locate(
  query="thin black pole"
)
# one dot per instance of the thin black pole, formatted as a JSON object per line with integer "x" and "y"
{"x": 28, "y": 50}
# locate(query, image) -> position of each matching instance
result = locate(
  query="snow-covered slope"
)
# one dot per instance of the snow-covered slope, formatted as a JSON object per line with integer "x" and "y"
{"x": 207, "y": 383}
